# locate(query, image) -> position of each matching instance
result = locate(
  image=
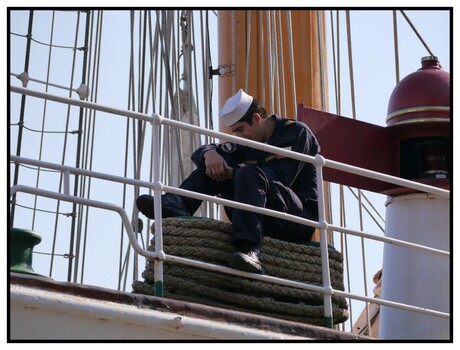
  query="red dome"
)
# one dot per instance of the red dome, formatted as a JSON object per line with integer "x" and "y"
{"x": 423, "y": 96}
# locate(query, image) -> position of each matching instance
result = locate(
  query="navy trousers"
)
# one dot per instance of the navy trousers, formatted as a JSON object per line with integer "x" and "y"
{"x": 250, "y": 185}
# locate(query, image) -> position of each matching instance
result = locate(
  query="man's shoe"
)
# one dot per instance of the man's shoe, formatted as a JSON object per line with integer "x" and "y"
{"x": 248, "y": 261}
{"x": 171, "y": 206}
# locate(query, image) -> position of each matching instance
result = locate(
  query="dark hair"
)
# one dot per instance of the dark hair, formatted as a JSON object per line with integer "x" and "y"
{"x": 255, "y": 107}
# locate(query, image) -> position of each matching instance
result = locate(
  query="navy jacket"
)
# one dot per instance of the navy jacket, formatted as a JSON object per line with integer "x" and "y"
{"x": 290, "y": 134}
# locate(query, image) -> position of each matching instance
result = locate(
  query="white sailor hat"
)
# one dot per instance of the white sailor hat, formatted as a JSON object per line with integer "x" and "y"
{"x": 235, "y": 107}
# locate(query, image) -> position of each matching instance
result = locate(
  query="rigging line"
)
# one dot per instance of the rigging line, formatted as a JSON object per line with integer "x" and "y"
{"x": 153, "y": 43}
{"x": 365, "y": 207}
{"x": 248, "y": 49}
{"x": 150, "y": 83}
{"x": 274, "y": 64}
{"x": 79, "y": 142}
{"x": 170, "y": 45}
{"x": 270, "y": 63}
{"x": 64, "y": 150}
{"x": 22, "y": 112}
{"x": 363, "y": 249}
{"x": 168, "y": 28}
{"x": 131, "y": 105}
{"x": 89, "y": 154}
{"x": 334, "y": 63}
{"x": 189, "y": 86}
{"x": 208, "y": 87}
{"x": 46, "y": 131}
{"x": 142, "y": 57}
{"x": 206, "y": 62}
{"x": 44, "y": 210}
{"x": 344, "y": 240}
{"x": 396, "y": 47}
{"x": 211, "y": 85}
{"x": 207, "y": 83}
{"x": 137, "y": 158}
{"x": 187, "y": 49}
{"x": 319, "y": 23}
{"x": 280, "y": 40}
{"x": 84, "y": 189}
{"x": 277, "y": 63}
{"x": 45, "y": 82}
{"x": 65, "y": 255}
{"x": 233, "y": 19}
{"x": 36, "y": 168}
{"x": 137, "y": 148}
{"x": 82, "y": 149}
{"x": 350, "y": 64}
{"x": 165, "y": 64}
{"x": 291, "y": 60}
{"x": 339, "y": 89}
{"x": 416, "y": 32}
{"x": 262, "y": 56}
{"x": 50, "y": 45}
{"x": 194, "y": 101}
{"x": 154, "y": 58}
{"x": 45, "y": 103}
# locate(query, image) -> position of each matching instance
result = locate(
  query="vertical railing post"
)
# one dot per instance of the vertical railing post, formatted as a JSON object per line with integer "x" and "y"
{"x": 327, "y": 296}
{"x": 158, "y": 263}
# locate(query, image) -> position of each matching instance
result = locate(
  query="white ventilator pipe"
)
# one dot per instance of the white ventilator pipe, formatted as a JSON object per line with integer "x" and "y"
{"x": 415, "y": 277}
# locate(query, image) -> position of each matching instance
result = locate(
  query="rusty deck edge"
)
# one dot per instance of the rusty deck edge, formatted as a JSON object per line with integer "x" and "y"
{"x": 184, "y": 308}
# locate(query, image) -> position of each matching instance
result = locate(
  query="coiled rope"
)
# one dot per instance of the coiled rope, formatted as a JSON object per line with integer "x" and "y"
{"x": 209, "y": 240}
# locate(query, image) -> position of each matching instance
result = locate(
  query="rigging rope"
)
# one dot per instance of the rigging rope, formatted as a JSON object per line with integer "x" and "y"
{"x": 281, "y": 64}
{"x": 79, "y": 149}
{"x": 21, "y": 114}
{"x": 275, "y": 64}
{"x": 334, "y": 59}
{"x": 248, "y": 50}
{"x": 233, "y": 51}
{"x": 291, "y": 60}
{"x": 396, "y": 47}
{"x": 350, "y": 65}
{"x": 22, "y": 124}
{"x": 90, "y": 127}
{"x": 322, "y": 76}
{"x": 46, "y": 44}
{"x": 417, "y": 33}
{"x": 262, "y": 57}
{"x": 40, "y": 152}
{"x": 44, "y": 211}
{"x": 270, "y": 63}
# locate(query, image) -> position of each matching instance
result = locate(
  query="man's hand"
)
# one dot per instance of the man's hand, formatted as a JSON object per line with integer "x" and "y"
{"x": 216, "y": 166}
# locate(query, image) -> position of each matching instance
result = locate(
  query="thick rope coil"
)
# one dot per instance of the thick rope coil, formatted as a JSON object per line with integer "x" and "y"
{"x": 209, "y": 240}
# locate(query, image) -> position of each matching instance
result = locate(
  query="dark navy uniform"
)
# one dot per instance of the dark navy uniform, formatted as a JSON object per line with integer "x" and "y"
{"x": 265, "y": 180}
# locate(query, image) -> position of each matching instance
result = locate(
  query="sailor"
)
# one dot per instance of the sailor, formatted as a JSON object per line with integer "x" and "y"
{"x": 251, "y": 176}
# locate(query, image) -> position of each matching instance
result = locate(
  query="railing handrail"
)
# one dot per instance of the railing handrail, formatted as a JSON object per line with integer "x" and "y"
{"x": 318, "y": 161}
{"x": 196, "y": 263}
{"x": 147, "y": 184}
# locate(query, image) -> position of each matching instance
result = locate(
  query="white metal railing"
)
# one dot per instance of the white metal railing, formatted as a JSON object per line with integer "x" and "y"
{"x": 159, "y": 256}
